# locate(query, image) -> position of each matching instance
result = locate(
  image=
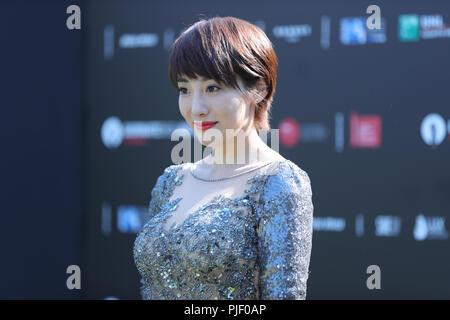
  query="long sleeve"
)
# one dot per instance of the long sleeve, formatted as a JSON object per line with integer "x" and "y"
{"x": 157, "y": 197}
{"x": 155, "y": 206}
{"x": 285, "y": 234}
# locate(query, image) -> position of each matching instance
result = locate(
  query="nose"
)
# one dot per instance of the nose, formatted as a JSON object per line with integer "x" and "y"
{"x": 199, "y": 108}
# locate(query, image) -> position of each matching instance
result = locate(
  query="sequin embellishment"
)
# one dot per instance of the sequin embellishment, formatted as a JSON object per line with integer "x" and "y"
{"x": 254, "y": 247}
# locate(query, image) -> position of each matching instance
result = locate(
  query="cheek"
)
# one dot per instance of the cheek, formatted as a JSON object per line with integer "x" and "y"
{"x": 237, "y": 109}
{"x": 184, "y": 109}
{"x": 227, "y": 108}
{"x": 230, "y": 106}
{"x": 233, "y": 115}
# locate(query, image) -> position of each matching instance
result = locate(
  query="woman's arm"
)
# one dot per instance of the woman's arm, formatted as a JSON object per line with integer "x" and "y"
{"x": 285, "y": 234}
{"x": 154, "y": 207}
{"x": 157, "y": 194}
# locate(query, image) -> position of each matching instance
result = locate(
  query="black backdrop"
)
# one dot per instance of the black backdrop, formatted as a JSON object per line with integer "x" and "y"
{"x": 40, "y": 84}
{"x": 383, "y": 203}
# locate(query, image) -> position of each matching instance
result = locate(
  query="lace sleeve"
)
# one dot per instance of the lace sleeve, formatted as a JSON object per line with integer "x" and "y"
{"x": 285, "y": 234}
{"x": 157, "y": 194}
{"x": 155, "y": 206}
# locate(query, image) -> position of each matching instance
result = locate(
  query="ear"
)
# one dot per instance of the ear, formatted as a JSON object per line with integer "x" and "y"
{"x": 261, "y": 90}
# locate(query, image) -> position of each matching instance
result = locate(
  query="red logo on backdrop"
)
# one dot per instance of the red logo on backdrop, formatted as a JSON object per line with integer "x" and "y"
{"x": 289, "y": 132}
{"x": 365, "y": 131}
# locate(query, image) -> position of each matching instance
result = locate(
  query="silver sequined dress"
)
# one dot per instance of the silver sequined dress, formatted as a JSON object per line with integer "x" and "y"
{"x": 256, "y": 247}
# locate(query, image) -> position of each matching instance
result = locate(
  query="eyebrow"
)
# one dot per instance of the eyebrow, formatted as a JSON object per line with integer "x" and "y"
{"x": 184, "y": 80}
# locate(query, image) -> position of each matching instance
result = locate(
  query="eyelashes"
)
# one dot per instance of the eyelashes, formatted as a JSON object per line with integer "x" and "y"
{"x": 180, "y": 90}
{"x": 183, "y": 91}
{"x": 214, "y": 87}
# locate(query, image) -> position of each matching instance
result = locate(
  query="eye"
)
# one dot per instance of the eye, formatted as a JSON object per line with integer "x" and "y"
{"x": 182, "y": 90}
{"x": 212, "y": 87}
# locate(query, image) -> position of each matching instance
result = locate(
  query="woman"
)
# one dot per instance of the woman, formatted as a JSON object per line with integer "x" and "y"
{"x": 221, "y": 230}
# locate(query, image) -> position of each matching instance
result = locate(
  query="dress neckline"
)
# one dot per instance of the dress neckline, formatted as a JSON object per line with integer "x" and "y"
{"x": 255, "y": 185}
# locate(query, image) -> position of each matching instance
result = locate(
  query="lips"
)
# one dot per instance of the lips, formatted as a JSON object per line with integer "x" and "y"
{"x": 204, "y": 125}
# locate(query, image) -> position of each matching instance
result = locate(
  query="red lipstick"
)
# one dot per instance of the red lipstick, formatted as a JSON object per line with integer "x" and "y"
{"x": 204, "y": 125}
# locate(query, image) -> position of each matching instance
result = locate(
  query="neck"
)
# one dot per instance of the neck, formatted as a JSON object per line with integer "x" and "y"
{"x": 239, "y": 151}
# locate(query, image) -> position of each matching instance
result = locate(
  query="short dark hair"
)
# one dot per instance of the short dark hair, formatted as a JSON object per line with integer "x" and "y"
{"x": 220, "y": 48}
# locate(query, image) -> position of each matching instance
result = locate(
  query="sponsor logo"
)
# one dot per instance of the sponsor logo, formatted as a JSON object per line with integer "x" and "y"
{"x": 412, "y": 27}
{"x": 141, "y": 40}
{"x": 433, "y": 26}
{"x": 387, "y": 226}
{"x": 108, "y": 42}
{"x": 292, "y": 33}
{"x": 359, "y": 225}
{"x": 434, "y": 129}
{"x": 354, "y": 31}
{"x": 292, "y": 132}
{"x": 115, "y": 132}
{"x": 365, "y": 131}
{"x": 335, "y": 224}
{"x": 429, "y": 228}
{"x": 128, "y": 219}
{"x": 408, "y": 27}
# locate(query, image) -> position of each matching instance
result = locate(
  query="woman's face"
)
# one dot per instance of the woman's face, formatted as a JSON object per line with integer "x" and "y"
{"x": 205, "y": 100}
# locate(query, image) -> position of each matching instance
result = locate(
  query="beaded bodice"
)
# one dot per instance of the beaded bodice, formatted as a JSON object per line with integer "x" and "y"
{"x": 256, "y": 246}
